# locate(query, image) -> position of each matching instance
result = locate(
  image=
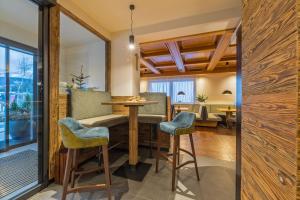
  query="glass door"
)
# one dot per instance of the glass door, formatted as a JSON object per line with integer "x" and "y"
{"x": 22, "y": 95}
{"x": 3, "y": 135}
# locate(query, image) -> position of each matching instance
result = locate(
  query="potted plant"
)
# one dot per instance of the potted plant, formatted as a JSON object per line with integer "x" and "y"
{"x": 202, "y": 98}
{"x": 19, "y": 119}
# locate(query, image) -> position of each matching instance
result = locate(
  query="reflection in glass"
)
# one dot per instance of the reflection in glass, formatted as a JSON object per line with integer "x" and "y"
{"x": 21, "y": 96}
{"x": 2, "y": 97}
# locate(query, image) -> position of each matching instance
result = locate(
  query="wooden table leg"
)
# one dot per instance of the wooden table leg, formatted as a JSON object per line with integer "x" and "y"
{"x": 133, "y": 135}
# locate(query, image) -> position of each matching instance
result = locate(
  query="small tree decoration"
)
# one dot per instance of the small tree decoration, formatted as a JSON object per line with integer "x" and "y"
{"x": 202, "y": 98}
{"x": 80, "y": 80}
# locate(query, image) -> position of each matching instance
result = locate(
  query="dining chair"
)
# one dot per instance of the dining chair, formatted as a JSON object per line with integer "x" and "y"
{"x": 75, "y": 137}
{"x": 182, "y": 124}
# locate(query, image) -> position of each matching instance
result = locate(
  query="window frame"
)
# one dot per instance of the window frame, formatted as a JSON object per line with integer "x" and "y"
{"x": 171, "y": 90}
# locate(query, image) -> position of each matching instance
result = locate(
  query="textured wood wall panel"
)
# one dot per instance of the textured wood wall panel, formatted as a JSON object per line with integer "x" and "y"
{"x": 53, "y": 88}
{"x": 270, "y": 102}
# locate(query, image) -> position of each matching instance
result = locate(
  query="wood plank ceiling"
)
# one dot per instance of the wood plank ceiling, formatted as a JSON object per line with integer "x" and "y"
{"x": 212, "y": 52}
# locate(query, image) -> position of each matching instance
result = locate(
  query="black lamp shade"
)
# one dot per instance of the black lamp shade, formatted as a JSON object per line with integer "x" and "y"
{"x": 227, "y": 92}
{"x": 180, "y": 93}
{"x": 131, "y": 39}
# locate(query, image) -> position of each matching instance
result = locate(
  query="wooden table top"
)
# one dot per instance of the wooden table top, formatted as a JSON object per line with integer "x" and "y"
{"x": 129, "y": 103}
{"x": 227, "y": 110}
{"x": 181, "y": 108}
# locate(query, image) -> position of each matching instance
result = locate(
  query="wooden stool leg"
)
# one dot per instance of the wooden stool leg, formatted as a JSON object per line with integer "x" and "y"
{"x": 175, "y": 145}
{"x": 74, "y": 168}
{"x": 67, "y": 173}
{"x": 106, "y": 170}
{"x": 158, "y": 150}
{"x": 194, "y": 155}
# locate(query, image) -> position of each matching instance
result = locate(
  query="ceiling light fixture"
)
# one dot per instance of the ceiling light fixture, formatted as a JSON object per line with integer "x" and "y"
{"x": 131, "y": 36}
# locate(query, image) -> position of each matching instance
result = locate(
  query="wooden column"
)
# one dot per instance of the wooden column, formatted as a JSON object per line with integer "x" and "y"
{"x": 54, "y": 137}
{"x": 133, "y": 135}
{"x": 270, "y": 71}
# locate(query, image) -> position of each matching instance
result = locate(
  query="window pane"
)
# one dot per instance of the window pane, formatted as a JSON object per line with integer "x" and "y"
{"x": 160, "y": 87}
{"x": 187, "y": 87}
{"x": 2, "y": 97}
{"x": 21, "y": 96}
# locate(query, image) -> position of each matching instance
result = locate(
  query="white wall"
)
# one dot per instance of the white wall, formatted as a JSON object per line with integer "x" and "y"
{"x": 91, "y": 56}
{"x": 18, "y": 34}
{"x": 212, "y": 86}
{"x": 124, "y": 76}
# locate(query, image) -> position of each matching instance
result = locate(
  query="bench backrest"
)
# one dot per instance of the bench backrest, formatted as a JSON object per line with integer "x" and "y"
{"x": 154, "y": 109}
{"x": 87, "y": 104}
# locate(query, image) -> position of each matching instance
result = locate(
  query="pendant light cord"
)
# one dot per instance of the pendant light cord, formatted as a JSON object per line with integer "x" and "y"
{"x": 131, "y": 22}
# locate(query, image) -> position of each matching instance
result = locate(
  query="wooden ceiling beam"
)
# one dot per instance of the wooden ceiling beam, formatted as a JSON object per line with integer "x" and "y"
{"x": 149, "y": 66}
{"x": 198, "y": 49}
{"x": 198, "y": 62}
{"x": 190, "y": 73}
{"x": 219, "y": 52}
{"x": 190, "y": 37}
{"x": 176, "y": 55}
{"x": 183, "y": 51}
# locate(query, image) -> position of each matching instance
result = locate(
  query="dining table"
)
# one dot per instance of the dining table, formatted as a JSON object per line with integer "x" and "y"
{"x": 133, "y": 162}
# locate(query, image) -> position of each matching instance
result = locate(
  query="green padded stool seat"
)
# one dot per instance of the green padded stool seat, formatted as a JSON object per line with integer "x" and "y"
{"x": 182, "y": 124}
{"x": 74, "y": 137}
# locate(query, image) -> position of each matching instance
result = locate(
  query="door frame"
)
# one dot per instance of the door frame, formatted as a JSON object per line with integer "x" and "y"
{"x": 238, "y": 114}
{"x": 43, "y": 61}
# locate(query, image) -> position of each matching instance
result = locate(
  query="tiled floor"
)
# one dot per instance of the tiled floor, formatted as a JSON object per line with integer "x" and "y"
{"x": 215, "y": 149}
{"x": 217, "y": 183}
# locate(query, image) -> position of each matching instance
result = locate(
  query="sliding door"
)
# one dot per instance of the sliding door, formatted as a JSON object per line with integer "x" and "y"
{"x": 23, "y": 97}
{"x": 3, "y": 134}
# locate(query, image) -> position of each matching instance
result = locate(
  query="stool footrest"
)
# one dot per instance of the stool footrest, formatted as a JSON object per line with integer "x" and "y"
{"x": 86, "y": 188}
{"x": 185, "y": 151}
{"x": 185, "y": 163}
{"x": 88, "y": 171}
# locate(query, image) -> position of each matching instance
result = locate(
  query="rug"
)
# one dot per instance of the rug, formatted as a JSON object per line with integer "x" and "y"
{"x": 18, "y": 171}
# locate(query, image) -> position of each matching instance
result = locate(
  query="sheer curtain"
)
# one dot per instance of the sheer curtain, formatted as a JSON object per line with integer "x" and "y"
{"x": 172, "y": 86}
{"x": 186, "y": 86}
{"x": 160, "y": 86}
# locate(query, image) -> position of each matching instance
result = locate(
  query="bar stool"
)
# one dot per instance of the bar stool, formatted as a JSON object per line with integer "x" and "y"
{"x": 182, "y": 124}
{"x": 75, "y": 137}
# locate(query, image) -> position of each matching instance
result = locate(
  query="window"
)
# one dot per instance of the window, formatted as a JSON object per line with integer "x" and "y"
{"x": 173, "y": 87}
{"x": 18, "y": 94}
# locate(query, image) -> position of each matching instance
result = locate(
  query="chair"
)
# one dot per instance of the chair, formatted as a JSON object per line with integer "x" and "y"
{"x": 182, "y": 124}
{"x": 75, "y": 137}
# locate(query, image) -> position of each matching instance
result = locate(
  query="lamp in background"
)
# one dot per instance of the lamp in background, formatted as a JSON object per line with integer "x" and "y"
{"x": 227, "y": 92}
{"x": 131, "y": 36}
{"x": 180, "y": 93}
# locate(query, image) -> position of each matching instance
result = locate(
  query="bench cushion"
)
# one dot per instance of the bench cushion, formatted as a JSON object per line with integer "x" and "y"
{"x": 87, "y": 104}
{"x": 151, "y": 119}
{"x": 211, "y": 117}
{"x": 106, "y": 120}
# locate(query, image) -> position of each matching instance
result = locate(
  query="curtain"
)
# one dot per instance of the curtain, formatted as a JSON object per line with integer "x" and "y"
{"x": 172, "y": 87}
{"x": 185, "y": 86}
{"x": 160, "y": 86}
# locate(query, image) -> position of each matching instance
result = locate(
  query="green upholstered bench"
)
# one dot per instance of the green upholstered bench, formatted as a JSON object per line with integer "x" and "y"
{"x": 153, "y": 113}
{"x": 87, "y": 108}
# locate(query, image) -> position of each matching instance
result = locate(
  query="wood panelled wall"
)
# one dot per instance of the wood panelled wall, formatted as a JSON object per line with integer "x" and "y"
{"x": 54, "y": 141}
{"x": 270, "y": 102}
